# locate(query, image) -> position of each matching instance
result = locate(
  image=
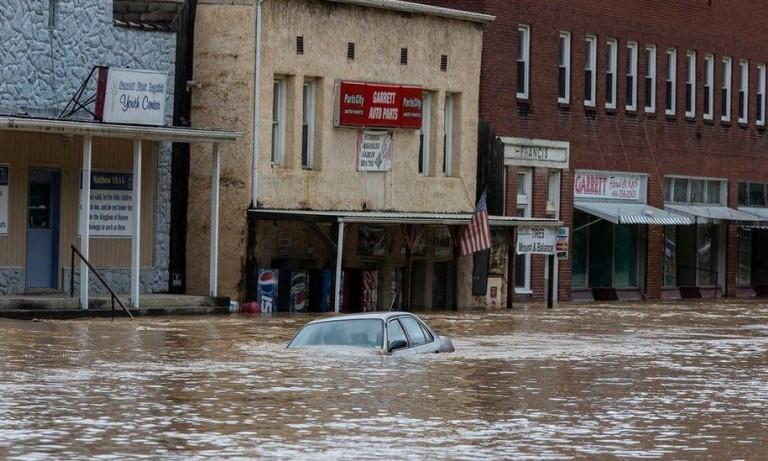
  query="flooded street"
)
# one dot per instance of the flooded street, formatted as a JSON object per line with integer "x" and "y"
{"x": 658, "y": 381}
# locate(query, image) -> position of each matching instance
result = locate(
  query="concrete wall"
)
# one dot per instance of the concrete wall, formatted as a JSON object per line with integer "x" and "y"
{"x": 47, "y": 54}
{"x": 224, "y": 67}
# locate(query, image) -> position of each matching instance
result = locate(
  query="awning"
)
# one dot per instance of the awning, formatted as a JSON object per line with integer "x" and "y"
{"x": 761, "y": 213}
{"x": 713, "y": 213}
{"x": 632, "y": 213}
{"x": 395, "y": 217}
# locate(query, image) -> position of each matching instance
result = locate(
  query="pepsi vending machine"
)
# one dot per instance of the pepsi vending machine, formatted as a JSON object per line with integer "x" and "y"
{"x": 268, "y": 290}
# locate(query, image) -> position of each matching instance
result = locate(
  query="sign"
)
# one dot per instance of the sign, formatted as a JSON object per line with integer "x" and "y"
{"x": 111, "y": 212}
{"x": 493, "y": 297}
{"x": 4, "y": 173}
{"x": 131, "y": 96}
{"x": 267, "y": 291}
{"x": 374, "y": 151}
{"x": 377, "y": 105}
{"x": 299, "y": 291}
{"x": 561, "y": 245}
{"x": 535, "y": 240}
{"x": 536, "y": 153}
{"x": 614, "y": 186}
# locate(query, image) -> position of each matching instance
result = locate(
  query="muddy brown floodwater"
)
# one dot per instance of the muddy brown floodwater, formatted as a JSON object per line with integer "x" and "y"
{"x": 650, "y": 381}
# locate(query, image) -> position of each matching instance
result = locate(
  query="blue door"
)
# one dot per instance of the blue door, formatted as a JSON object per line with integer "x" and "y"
{"x": 43, "y": 228}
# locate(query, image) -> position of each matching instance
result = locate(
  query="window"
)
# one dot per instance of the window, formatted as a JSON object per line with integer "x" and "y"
{"x": 725, "y": 92}
{"x": 695, "y": 190}
{"x": 395, "y": 332}
{"x": 564, "y": 69}
{"x": 743, "y": 91}
{"x": 650, "y": 79}
{"x": 671, "y": 81}
{"x": 709, "y": 86}
{"x": 760, "y": 100}
{"x": 753, "y": 194}
{"x": 611, "y": 58}
{"x": 425, "y": 143}
{"x": 523, "y": 60}
{"x": 744, "y": 277}
{"x": 448, "y": 135}
{"x": 414, "y": 331}
{"x": 308, "y": 124}
{"x": 553, "y": 195}
{"x": 524, "y": 202}
{"x": 590, "y": 63}
{"x": 690, "y": 84}
{"x": 278, "y": 122}
{"x": 631, "y": 103}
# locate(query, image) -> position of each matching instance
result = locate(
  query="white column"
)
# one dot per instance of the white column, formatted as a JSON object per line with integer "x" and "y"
{"x": 85, "y": 209}
{"x": 136, "y": 231}
{"x": 214, "y": 270}
{"x": 339, "y": 253}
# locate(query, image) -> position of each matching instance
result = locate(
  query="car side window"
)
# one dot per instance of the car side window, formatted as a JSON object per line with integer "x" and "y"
{"x": 428, "y": 335}
{"x": 414, "y": 330}
{"x": 395, "y": 332}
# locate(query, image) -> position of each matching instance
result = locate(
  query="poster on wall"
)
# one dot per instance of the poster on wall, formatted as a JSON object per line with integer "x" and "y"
{"x": 111, "y": 204}
{"x": 615, "y": 186}
{"x": 267, "y": 291}
{"x": 3, "y": 199}
{"x": 374, "y": 150}
{"x": 299, "y": 291}
{"x": 533, "y": 240}
{"x": 372, "y": 241}
{"x": 370, "y": 290}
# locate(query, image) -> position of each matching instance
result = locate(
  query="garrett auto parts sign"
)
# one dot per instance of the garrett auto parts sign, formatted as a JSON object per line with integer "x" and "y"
{"x": 377, "y": 105}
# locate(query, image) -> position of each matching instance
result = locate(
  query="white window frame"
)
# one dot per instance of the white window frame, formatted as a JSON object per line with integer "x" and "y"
{"x": 611, "y": 71}
{"x": 565, "y": 63}
{"x": 525, "y": 58}
{"x": 744, "y": 90}
{"x": 448, "y": 135}
{"x": 525, "y": 201}
{"x": 278, "y": 135}
{"x": 650, "y": 73}
{"x": 590, "y": 65}
{"x": 426, "y": 132}
{"x": 727, "y": 85}
{"x": 760, "y": 115}
{"x": 632, "y": 73}
{"x": 671, "y": 79}
{"x": 709, "y": 86}
{"x": 309, "y": 104}
{"x": 690, "y": 79}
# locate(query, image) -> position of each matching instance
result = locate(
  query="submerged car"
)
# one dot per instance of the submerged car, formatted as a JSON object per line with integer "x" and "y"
{"x": 393, "y": 333}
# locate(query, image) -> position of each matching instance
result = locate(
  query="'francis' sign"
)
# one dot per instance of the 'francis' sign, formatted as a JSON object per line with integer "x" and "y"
{"x": 131, "y": 96}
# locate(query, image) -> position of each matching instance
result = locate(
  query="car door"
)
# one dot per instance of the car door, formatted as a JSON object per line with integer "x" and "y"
{"x": 420, "y": 339}
{"x": 396, "y": 331}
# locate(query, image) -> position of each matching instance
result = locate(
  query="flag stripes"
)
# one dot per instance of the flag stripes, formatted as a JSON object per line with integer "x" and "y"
{"x": 477, "y": 236}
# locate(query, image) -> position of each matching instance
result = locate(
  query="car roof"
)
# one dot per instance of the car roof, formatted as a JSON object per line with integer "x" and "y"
{"x": 364, "y": 316}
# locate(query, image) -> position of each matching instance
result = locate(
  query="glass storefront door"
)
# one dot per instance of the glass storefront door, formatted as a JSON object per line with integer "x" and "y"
{"x": 692, "y": 256}
{"x": 605, "y": 255}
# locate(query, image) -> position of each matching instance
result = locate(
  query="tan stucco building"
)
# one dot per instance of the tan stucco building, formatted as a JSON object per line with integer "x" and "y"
{"x": 285, "y": 214}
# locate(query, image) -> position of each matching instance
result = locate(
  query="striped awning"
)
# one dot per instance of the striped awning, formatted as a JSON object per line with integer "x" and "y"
{"x": 632, "y": 213}
{"x": 714, "y": 213}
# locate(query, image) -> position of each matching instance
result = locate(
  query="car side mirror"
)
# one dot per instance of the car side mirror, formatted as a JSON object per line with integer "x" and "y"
{"x": 397, "y": 344}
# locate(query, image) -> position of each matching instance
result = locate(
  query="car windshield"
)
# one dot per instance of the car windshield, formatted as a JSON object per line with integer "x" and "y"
{"x": 368, "y": 333}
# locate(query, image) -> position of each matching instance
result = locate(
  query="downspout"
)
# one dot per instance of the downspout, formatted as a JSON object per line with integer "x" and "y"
{"x": 256, "y": 110}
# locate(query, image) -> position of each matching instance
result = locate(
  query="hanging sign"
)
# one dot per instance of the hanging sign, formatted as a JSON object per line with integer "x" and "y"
{"x": 374, "y": 151}
{"x": 131, "y": 96}
{"x": 111, "y": 204}
{"x": 377, "y": 105}
{"x": 614, "y": 186}
{"x": 4, "y": 199}
{"x": 535, "y": 240}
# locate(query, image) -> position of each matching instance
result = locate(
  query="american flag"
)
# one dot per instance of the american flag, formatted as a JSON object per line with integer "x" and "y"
{"x": 477, "y": 237}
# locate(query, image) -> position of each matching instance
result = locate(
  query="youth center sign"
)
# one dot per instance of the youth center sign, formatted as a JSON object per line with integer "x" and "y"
{"x": 131, "y": 96}
{"x": 111, "y": 213}
{"x": 377, "y": 105}
{"x": 613, "y": 186}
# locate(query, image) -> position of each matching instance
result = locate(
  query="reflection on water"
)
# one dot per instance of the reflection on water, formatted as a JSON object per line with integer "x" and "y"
{"x": 655, "y": 381}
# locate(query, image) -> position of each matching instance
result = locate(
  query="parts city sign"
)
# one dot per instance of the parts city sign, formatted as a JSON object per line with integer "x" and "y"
{"x": 377, "y": 105}
{"x": 131, "y": 96}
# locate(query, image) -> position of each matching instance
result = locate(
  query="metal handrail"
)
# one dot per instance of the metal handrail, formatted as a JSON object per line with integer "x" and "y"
{"x": 704, "y": 269}
{"x": 75, "y": 251}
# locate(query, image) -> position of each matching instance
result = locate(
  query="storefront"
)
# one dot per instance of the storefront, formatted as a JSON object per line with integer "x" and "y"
{"x": 609, "y": 236}
{"x": 753, "y": 241}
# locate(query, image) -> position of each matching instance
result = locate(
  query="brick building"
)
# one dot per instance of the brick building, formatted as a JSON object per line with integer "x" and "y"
{"x": 658, "y": 110}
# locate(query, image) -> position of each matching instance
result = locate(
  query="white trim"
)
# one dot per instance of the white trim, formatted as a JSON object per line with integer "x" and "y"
{"x": 85, "y": 207}
{"x": 525, "y": 58}
{"x": 277, "y": 151}
{"x": 650, "y": 72}
{"x": 690, "y": 79}
{"x": 611, "y": 69}
{"x": 409, "y": 7}
{"x": 590, "y": 65}
{"x": 760, "y": 116}
{"x": 213, "y": 272}
{"x": 136, "y": 230}
{"x": 727, "y": 86}
{"x": 632, "y": 50}
{"x": 525, "y": 201}
{"x": 565, "y": 62}
{"x": 744, "y": 89}
{"x": 709, "y": 86}
{"x": 671, "y": 78}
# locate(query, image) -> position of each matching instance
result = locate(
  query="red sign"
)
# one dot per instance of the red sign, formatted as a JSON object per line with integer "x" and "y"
{"x": 378, "y": 105}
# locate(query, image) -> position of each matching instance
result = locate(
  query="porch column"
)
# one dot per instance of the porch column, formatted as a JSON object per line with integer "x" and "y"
{"x": 85, "y": 209}
{"x": 136, "y": 231}
{"x": 339, "y": 254}
{"x": 214, "y": 262}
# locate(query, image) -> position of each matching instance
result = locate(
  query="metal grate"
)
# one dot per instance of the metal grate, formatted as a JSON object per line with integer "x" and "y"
{"x": 404, "y": 56}
{"x": 299, "y": 44}
{"x": 443, "y": 62}
{"x": 351, "y": 51}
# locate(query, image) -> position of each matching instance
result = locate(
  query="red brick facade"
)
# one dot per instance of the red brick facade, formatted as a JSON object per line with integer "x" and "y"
{"x": 618, "y": 140}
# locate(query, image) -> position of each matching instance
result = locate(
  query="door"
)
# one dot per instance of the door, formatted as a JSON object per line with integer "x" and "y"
{"x": 43, "y": 228}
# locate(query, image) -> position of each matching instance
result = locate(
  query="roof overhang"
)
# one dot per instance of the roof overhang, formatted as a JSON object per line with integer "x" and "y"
{"x": 429, "y": 10}
{"x": 107, "y": 130}
{"x": 713, "y": 213}
{"x": 632, "y": 213}
{"x": 394, "y": 217}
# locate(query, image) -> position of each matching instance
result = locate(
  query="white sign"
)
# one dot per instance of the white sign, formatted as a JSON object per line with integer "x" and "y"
{"x": 133, "y": 96}
{"x": 374, "y": 151}
{"x": 614, "y": 186}
{"x": 111, "y": 204}
{"x": 536, "y": 152}
{"x": 4, "y": 199}
{"x": 535, "y": 240}
{"x": 563, "y": 241}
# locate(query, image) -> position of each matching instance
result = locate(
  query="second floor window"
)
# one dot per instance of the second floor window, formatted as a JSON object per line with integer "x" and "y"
{"x": 760, "y": 100}
{"x": 425, "y": 143}
{"x": 725, "y": 91}
{"x": 308, "y": 125}
{"x": 523, "y": 60}
{"x": 590, "y": 63}
{"x": 650, "y": 79}
{"x": 564, "y": 69}
{"x": 631, "y": 103}
{"x": 690, "y": 84}
{"x": 743, "y": 91}
{"x": 671, "y": 82}
{"x": 611, "y": 57}
{"x": 448, "y": 135}
{"x": 278, "y": 121}
{"x": 709, "y": 86}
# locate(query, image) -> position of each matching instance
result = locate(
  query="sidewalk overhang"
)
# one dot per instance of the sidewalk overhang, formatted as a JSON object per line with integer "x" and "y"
{"x": 394, "y": 217}
{"x": 632, "y": 213}
{"x": 714, "y": 213}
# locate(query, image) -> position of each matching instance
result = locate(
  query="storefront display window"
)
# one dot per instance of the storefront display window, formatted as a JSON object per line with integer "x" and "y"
{"x": 745, "y": 258}
{"x": 605, "y": 255}
{"x": 670, "y": 256}
{"x": 625, "y": 257}
{"x": 708, "y": 238}
{"x": 692, "y": 255}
